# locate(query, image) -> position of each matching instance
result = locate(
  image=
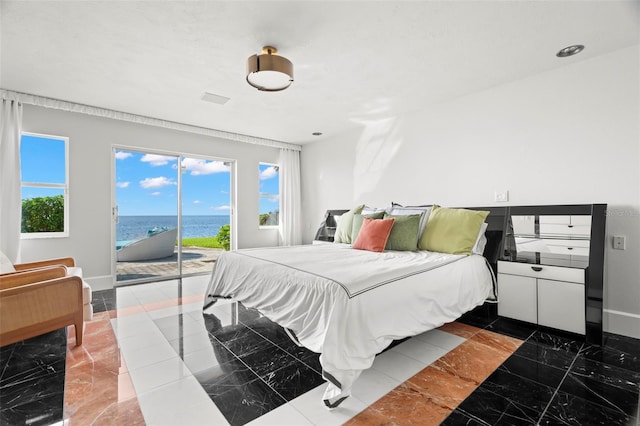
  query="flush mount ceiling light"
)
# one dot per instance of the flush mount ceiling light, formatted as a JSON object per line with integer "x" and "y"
{"x": 269, "y": 72}
{"x": 570, "y": 51}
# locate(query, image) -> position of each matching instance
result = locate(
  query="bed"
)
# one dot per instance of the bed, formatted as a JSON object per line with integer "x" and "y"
{"x": 347, "y": 304}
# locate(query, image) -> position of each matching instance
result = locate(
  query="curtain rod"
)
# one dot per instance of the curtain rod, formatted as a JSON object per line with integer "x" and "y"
{"x": 42, "y": 101}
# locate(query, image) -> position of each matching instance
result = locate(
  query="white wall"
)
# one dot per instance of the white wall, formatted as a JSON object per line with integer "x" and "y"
{"x": 562, "y": 137}
{"x": 90, "y": 183}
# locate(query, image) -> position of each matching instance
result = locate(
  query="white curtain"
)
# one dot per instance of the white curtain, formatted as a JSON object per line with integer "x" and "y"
{"x": 10, "y": 198}
{"x": 290, "y": 204}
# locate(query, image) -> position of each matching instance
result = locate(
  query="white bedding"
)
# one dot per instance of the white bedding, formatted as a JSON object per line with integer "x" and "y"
{"x": 348, "y": 305}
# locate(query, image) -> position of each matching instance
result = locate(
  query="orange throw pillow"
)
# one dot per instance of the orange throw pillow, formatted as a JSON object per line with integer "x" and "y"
{"x": 374, "y": 234}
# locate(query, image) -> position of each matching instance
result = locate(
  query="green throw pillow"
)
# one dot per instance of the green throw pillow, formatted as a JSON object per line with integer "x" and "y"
{"x": 343, "y": 230}
{"x": 357, "y": 222}
{"x": 404, "y": 234}
{"x": 452, "y": 231}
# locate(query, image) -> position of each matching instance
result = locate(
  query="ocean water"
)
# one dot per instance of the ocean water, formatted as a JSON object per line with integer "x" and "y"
{"x": 134, "y": 227}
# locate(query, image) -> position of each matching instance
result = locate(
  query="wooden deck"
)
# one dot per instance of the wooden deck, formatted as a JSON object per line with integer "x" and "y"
{"x": 195, "y": 260}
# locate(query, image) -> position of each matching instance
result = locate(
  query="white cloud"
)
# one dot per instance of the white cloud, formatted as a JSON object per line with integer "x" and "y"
{"x": 121, "y": 155}
{"x": 157, "y": 160}
{"x": 156, "y": 182}
{"x": 155, "y": 194}
{"x": 272, "y": 198}
{"x": 122, "y": 184}
{"x": 218, "y": 208}
{"x": 269, "y": 172}
{"x": 203, "y": 167}
{"x": 197, "y": 202}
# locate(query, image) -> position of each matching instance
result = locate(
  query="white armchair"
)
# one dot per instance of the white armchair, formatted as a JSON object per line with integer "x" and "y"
{"x": 38, "y": 301}
{"x": 7, "y": 267}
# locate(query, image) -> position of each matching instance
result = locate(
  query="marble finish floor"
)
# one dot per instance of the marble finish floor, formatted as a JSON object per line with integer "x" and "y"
{"x": 152, "y": 356}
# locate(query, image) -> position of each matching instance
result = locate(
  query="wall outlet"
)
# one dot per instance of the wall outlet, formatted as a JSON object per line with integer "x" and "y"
{"x": 619, "y": 242}
{"x": 501, "y": 196}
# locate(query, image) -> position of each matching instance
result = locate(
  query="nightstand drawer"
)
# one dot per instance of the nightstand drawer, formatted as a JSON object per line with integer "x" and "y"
{"x": 556, "y": 273}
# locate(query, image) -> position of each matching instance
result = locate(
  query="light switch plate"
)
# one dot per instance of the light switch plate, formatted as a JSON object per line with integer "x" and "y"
{"x": 619, "y": 242}
{"x": 501, "y": 196}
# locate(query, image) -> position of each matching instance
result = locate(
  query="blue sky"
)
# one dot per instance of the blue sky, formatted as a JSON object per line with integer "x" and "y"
{"x": 146, "y": 184}
{"x": 42, "y": 161}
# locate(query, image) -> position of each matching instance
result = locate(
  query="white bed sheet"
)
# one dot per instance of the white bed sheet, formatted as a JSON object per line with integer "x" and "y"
{"x": 348, "y": 305}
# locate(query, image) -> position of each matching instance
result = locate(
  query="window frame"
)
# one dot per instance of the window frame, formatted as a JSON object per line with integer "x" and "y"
{"x": 64, "y": 186}
{"x": 260, "y": 195}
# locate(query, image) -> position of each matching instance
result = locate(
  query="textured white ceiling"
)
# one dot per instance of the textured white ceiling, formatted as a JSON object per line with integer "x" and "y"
{"x": 354, "y": 61}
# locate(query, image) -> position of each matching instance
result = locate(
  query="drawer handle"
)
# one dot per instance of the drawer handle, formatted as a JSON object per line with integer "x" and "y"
{"x": 536, "y": 268}
{"x": 570, "y": 226}
{"x": 569, "y": 248}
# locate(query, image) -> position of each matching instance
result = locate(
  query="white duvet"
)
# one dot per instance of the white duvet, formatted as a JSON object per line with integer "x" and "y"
{"x": 347, "y": 304}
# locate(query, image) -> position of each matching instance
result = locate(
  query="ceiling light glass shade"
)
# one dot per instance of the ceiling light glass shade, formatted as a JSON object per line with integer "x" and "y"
{"x": 269, "y": 72}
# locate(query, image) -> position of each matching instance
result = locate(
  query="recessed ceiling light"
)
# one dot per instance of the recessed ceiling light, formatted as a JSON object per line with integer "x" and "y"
{"x": 570, "y": 51}
{"x": 317, "y": 133}
{"x": 213, "y": 98}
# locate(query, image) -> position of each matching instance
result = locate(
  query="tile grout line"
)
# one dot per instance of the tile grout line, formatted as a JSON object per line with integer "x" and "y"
{"x": 555, "y": 392}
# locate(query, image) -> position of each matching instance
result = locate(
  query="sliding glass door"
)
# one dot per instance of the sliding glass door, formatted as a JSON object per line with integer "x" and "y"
{"x": 172, "y": 214}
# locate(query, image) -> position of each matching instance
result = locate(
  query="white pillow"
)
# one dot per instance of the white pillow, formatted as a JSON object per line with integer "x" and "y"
{"x": 423, "y": 210}
{"x": 5, "y": 264}
{"x": 481, "y": 241}
{"x": 336, "y": 218}
{"x": 372, "y": 210}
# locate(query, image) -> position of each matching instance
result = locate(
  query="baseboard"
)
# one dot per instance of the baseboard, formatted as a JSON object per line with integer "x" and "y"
{"x": 104, "y": 282}
{"x": 623, "y": 323}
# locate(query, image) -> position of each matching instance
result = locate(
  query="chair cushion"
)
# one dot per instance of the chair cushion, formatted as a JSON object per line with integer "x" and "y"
{"x": 86, "y": 293}
{"x": 76, "y": 271}
{"x": 87, "y": 310}
{"x": 5, "y": 264}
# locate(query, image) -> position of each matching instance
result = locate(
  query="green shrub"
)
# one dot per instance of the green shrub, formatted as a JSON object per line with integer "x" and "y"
{"x": 207, "y": 242}
{"x": 43, "y": 214}
{"x": 224, "y": 237}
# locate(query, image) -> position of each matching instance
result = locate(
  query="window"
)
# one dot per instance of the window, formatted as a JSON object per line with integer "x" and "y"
{"x": 269, "y": 194}
{"x": 44, "y": 168}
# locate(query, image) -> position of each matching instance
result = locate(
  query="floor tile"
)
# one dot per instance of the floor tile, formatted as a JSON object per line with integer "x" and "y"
{"x": 268, "y": 359}
{"x": 520, "y": 391}
{"x": 241, "y": 340}
{"x": 457, "y": 418}
{"x": 622, "y": 356}
{"x": 487, "y": 407}
{"x": 159, "y": 374}
{"x": 397, "y": 366}
{"x": 373, "y": 385}
{"x": 532, "y": 370}
{"x": 558, "y": 341}
{"x": 573, "y": 410}
{"x": 293, "y": 380}
{"x": 172, "y": 401}
{"x": 518, "y": 329}
{"x": 402, "y": 406}
{"x": 256, "y": 398}
{"x": 459, "y": 329}
{"x": 606, "y": 373}
{"x": 285, "y": 415}
{"x": 420, "y": 350}
{"x": 441, "y": 339}
{"x": 32, "y": 375}
{"x": 311, "y": 407}
{"x": 148, "y": 355}
{"x": 546, "y": 355}
{"x": 596, "y": 392}
{"x": 472, "y": 361}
